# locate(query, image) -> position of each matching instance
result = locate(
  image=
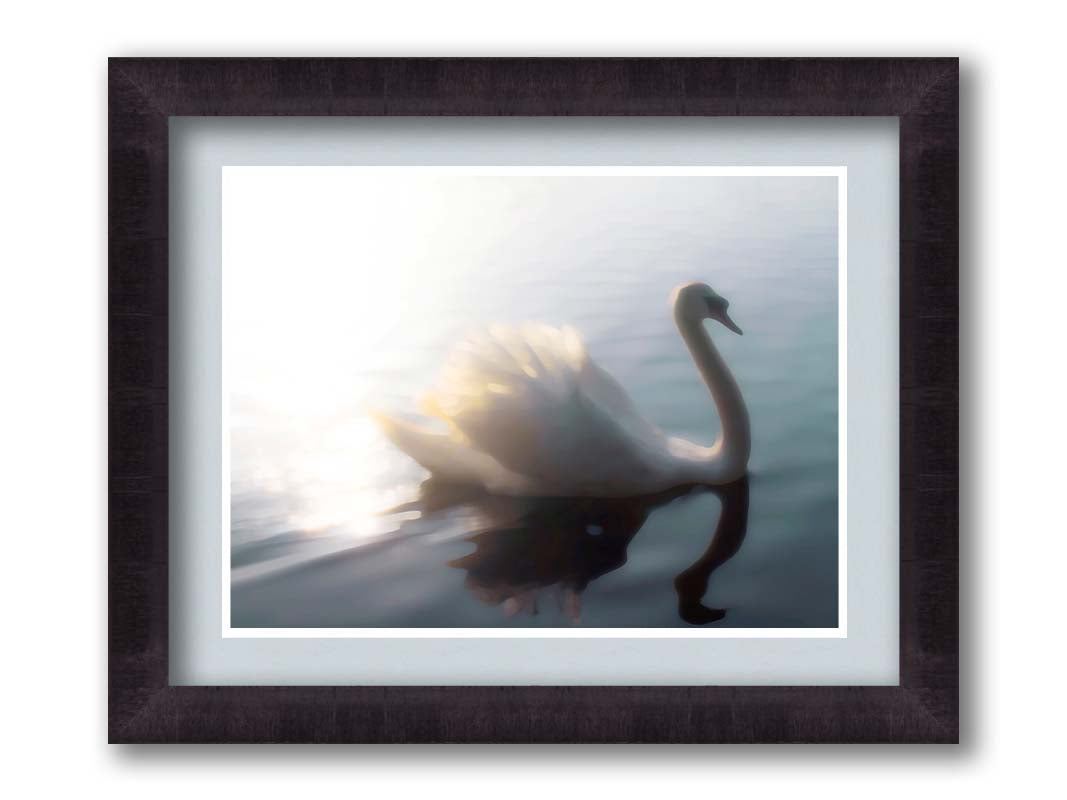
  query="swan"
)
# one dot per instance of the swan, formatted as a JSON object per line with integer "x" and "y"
{"x": 529, "y": 413}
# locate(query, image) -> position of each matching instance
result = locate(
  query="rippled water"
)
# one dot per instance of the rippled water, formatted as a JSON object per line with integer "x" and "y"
{"x": 344, "y": 296}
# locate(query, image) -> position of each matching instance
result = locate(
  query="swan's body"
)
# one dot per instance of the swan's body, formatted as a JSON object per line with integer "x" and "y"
{"x": 530, "y": 413}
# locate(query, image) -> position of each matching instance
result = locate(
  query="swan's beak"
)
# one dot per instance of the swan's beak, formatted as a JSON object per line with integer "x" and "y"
{"x": 729, "y": 323}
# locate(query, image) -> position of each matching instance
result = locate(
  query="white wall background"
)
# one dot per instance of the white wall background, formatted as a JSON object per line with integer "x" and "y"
{"x": 52, "y": 329}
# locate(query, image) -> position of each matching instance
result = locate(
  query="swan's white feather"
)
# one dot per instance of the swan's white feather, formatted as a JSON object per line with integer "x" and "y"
{"x": 530, "y": 413}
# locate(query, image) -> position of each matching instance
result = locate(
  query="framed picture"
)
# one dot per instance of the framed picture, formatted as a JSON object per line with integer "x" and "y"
{"x": 533, "y": 400}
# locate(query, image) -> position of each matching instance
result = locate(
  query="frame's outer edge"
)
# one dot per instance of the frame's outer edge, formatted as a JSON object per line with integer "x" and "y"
{"x": 137, "y": 399}
{"x": 929, "y": 398}
{"x": 144, "y": 93}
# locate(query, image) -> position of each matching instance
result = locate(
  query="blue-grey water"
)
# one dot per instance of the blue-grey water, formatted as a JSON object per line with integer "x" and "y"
{"x": 332, "y": 527}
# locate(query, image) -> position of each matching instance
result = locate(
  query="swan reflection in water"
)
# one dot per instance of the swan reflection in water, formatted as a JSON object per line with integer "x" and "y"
{"x": 526, "y": 548}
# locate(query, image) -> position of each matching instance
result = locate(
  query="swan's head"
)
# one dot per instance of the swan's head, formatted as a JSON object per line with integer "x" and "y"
{"x": 695, "y": 302}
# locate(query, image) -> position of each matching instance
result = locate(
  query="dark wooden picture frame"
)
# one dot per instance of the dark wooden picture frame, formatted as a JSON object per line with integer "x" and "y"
{"x": 145, "y": 93}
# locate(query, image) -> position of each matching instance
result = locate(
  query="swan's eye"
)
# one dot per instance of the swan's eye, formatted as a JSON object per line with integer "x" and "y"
{"x": 716, "y": 305}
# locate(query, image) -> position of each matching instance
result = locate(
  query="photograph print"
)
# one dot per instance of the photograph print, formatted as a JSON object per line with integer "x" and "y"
{"x": 571, "y": 401}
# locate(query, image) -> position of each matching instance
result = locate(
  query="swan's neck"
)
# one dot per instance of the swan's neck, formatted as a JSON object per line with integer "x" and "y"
{"x": 727, "y": 459}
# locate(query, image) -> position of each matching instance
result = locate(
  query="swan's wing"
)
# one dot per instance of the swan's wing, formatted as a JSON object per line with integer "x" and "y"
{"x": 532, "y": 400}
{"x": 602, "y": 388}
{"x": 450, "y": 457}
